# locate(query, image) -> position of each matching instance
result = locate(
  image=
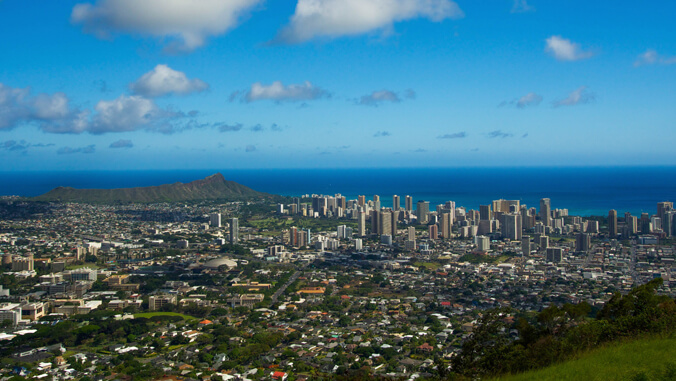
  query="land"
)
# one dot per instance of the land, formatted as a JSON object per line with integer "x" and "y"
{"x": 214, "y": 187}
{"x": 97, "y": 291}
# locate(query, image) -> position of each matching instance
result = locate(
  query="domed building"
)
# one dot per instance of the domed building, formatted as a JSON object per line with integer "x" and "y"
{"x": 217, "y": 263}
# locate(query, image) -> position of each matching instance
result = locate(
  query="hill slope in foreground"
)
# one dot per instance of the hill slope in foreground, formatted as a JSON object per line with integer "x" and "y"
{"x": 646, "y": 359}
{"x": 214, "y": 187}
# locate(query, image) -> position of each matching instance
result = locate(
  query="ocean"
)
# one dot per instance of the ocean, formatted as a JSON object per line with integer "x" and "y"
{"x": 583, "y": 191}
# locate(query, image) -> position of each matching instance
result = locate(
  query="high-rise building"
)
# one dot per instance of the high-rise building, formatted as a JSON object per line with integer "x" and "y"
{"x": 663, "y": 207}
{"x": 612, "y": 224}
{"x": 446, "y": 224}
{"x": 592, "y": 227}
{"x": 434, "y": 231}
{"x": 511, "y": 228}
{"x": 385, "y": 221}
{"x": 375, "y": 222}
{"x": 525, "y": 245}
{"x": 546, "y": 212}
{"x": 645, "y": 223}
{"x": 483, "y": 243}
{"x": 234, "y": 230}
{"x": 527, "y": 218}
{"x": 409, "y": 203}
{"x": 583, "y": 242}
{"x": 362, "y": 201}
{"x": 410, "y": 233}
{"x": 554, "y": 254}
{"x": 668, "y": 223}
{"x": 393, "y": 224}
{"x": 341, "y": 232}
{"x": 361, "y": 224}
{"x": 484, "y": 227}
{"x": 396, "y": 203}
{"x": 215, "y": 220}
{"x": 376, "y": 202}
{"x": 485, "y": 213}
{"x": 656, "y": 224}
{"x": 423, "y": 212}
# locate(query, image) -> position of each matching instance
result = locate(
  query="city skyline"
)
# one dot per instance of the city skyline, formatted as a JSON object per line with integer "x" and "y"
{"x": 117, "y": 84}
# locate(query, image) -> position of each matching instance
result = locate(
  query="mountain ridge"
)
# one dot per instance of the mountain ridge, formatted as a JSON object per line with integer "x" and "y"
{"x": 213, "y": 187}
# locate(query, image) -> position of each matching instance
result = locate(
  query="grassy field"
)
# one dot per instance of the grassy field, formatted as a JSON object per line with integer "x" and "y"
{"x": 648, "y": 359}
{"x": 149, "y": 315}
{"x": 427, "y": 265}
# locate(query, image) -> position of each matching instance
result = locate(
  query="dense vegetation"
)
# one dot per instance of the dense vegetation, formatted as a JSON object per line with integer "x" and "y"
{"x": 647, "y": 359}
{"x": 557, "y": 334}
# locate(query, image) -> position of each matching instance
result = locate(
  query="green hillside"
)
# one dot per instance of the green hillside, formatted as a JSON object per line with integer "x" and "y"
{"x": 647, "y": 359}
{"x": 214, "y": 187}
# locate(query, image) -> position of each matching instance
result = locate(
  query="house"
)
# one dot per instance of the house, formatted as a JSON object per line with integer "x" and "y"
{"x": 426, "y": 348}
{"x": 281, "y": 376}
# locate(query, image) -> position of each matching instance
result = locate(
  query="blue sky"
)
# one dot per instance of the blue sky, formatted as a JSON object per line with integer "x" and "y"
{"x": 182, "y": 84}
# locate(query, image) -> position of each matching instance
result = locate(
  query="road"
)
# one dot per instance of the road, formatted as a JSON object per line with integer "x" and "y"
{"x": 285, "y": 285}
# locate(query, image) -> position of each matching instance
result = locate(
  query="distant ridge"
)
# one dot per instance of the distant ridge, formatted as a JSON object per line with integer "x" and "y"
{"x": 214, "y": 187}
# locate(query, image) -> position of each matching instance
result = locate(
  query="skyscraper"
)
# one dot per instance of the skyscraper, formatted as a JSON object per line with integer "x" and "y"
{"x": 393, "y": 224}
{"x": 423, "y": 212}
{"x": 583, "y": 242}
{"x": 375, "y": 222}
{"x": 525, "y": 245}
{"x": 612, "y": 224}
{"x": 362, "y": 201}
{"x": 385, "y": 221}
{"x": 446, "y": 223}
{"x": 376, "y": 202}
{"x": 409, "y": 203}
{"x": 396, "y": 203}
{"x": 512, "y": 226}
{"x": 434, "y": 231}
{"x": 361, "y": 221}
{"x": 485, "y": 212}
{"x": 645, "y": 223}
{"x": 662, "y": 209}
{"x": 215, "y": 220}
{"x": 234, "y": 230}
{"x": 410, "y": 232}
{"x": 546, "y": 211}
{"x": 668, "y": 223}
{"x": 554, "y": 254}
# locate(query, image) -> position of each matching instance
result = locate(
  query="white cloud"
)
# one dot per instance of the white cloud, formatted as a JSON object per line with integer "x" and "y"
{"x": 187, "y": 22}
{"x": 530, "y": 99}
{"x": 163, "y": 80}
{"x": 336, "y": 18}
{"x": 579, "y": 96}
{"x": 651, "y": 57}
{"x": 13, "y": 106}
{"x": 522, "y": 6}
{"x": 51, "y": 113}
{"x": 130, "y": 113}
{"x": 279, "y": 93}
{"x": 565, "y": 50}
{"x": 377, "y": 97}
